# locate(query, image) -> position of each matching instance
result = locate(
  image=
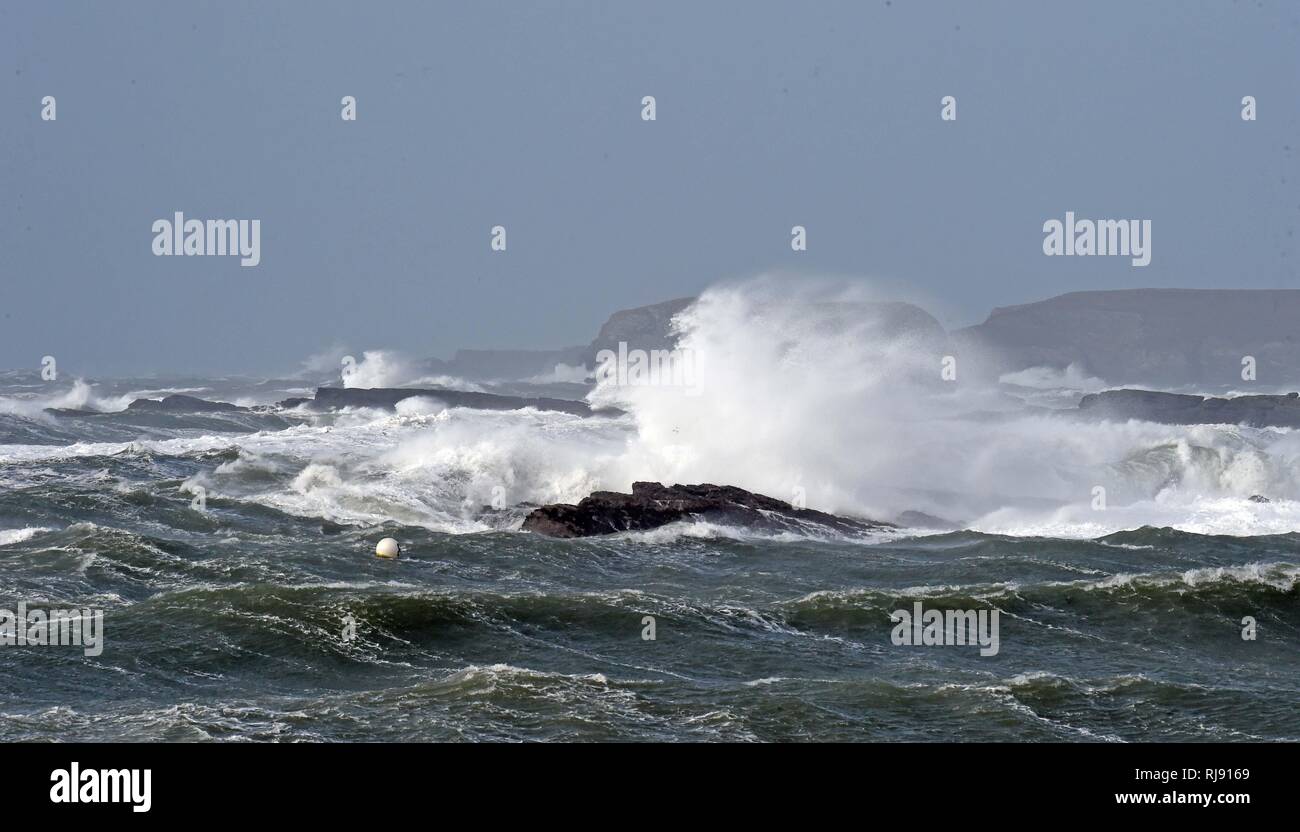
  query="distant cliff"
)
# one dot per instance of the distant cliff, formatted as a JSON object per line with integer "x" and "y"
{"x": 1176, "y": 409}
{"x": 1149, "y": 337}
{"x": 642, "y": 328}
{"x": 1157, "y": 337}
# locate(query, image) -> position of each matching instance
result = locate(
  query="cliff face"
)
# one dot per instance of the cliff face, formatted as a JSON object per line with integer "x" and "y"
{"x": 644, "y": 327}
{"x": 1156, "y": 337}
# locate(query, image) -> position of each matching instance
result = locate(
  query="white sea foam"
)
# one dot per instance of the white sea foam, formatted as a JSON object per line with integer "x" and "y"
{"x": 33, "y": 405}
{"x": 378, "y": 368}
{"x": 795, "y": 400}
{"x": 1050, "y": 378}
{"x": 9, "y": 537}
{"x": 81, "y": 395}
{"x": 800, "y": 395}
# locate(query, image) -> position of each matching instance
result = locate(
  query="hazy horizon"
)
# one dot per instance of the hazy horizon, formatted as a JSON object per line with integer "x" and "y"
{"x": 376, "y": 233}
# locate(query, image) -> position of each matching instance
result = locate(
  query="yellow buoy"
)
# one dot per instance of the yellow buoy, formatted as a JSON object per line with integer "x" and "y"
{"x": 387, "y": 548}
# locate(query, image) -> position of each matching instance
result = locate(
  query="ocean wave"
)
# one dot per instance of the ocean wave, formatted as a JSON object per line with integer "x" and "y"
{"x": 9, "y": 537}
{"x": 1263, "y": 583}
{"x": 707, "y": 530}
{"x": 437, "y": 468}
{"x": 1202, "y": 515}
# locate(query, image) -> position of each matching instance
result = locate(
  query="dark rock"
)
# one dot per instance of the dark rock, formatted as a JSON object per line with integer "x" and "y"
{"x": 651, "y": 505}
{"x": 183, "y": 404}
{"x": 289, "y": 404}
{"x": 1179, "y": 409}
{"x": 1259, "y": 498}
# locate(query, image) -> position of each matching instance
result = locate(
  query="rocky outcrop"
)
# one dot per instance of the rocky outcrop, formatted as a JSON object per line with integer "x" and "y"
{"x": 1178, "y": 409}
{"x": 1156, "y": 337}
{"x": 183, "y": 404}
{"x": 176, "y": 404}
{"x": 386, "y": 398}
{"x": 651, "y": 505}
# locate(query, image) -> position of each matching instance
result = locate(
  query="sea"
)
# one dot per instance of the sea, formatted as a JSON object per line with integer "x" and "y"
{"x": 232, "y": 556}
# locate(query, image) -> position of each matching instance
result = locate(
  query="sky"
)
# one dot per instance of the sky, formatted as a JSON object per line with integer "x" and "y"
{"x": 376, "y": 233}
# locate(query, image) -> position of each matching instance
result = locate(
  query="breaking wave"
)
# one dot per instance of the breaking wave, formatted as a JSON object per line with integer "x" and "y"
{"x": 815, "y": 391}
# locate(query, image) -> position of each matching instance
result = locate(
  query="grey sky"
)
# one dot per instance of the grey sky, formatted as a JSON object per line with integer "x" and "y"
{"x": 376, "y": 233}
